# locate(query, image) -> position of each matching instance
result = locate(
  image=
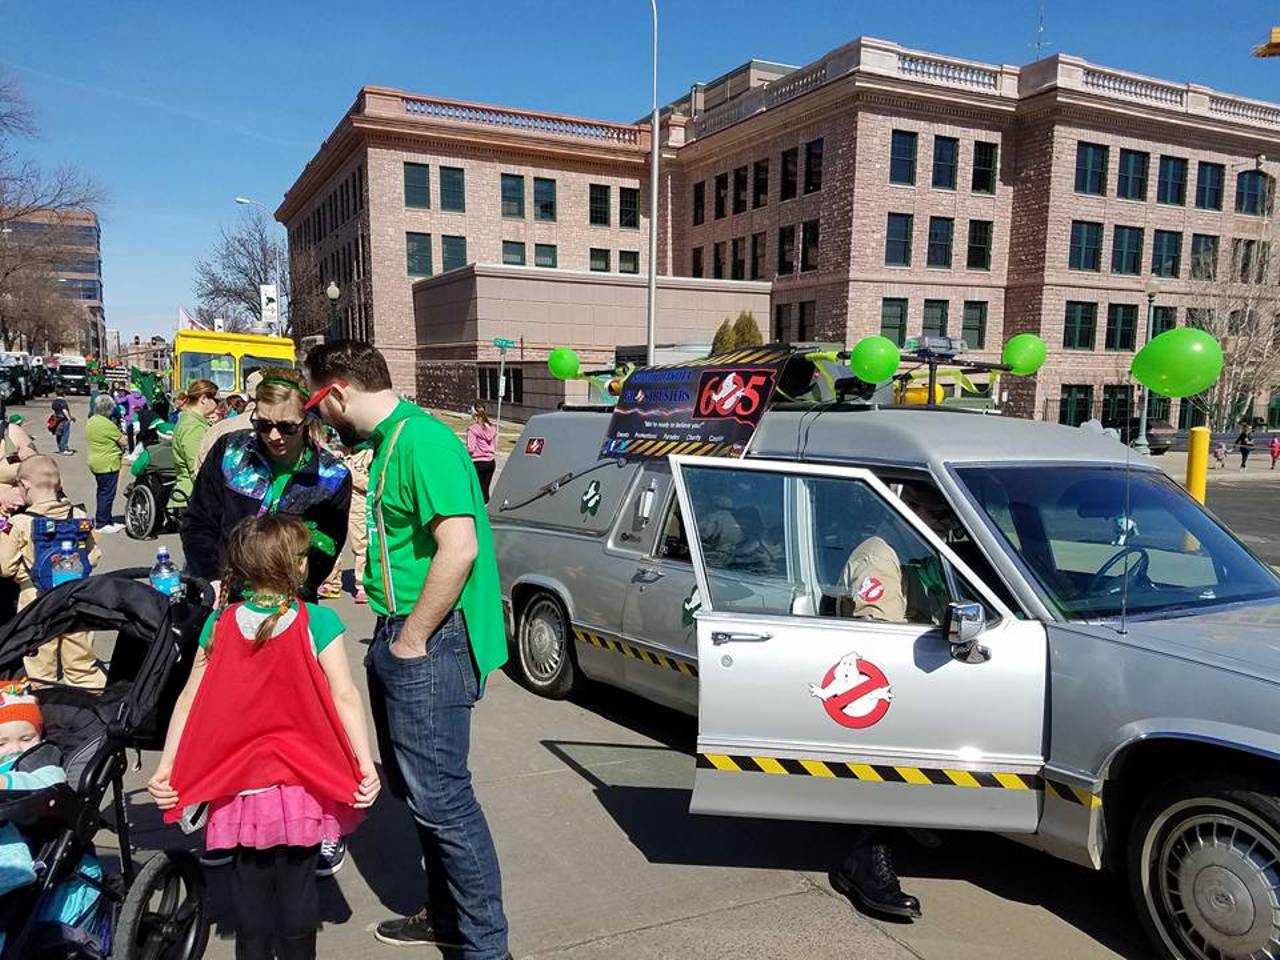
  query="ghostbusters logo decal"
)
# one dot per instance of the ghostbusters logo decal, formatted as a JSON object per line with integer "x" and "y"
{"x": 689, "y": 609}
{"x": 591, "y": 498}
{"x": 855, "y": 692}
{"x": 871, "y": 589}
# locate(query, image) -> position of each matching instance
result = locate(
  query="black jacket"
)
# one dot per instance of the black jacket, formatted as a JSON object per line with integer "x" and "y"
{"x": 232, "y": 485}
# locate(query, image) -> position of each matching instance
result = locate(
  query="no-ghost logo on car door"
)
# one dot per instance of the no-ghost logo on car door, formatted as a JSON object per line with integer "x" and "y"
{"x": 855, "y": 692}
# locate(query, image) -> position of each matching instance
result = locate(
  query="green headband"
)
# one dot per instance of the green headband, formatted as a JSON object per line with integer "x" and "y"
{"x": 282, "y": 382}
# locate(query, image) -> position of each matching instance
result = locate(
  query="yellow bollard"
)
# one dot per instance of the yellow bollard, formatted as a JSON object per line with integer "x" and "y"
{"x": 1197, "y": 461}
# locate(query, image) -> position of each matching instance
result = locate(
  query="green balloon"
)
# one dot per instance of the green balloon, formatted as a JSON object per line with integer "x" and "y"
{"x": 564, "y": 363}
{"x": 1179, "y": 363}
{"x": 875, "y": 359}
{"x": 1024, "y": 354}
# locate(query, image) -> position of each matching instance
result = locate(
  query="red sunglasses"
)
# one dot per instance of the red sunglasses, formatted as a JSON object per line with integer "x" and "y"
{"x": 322, "y": 393}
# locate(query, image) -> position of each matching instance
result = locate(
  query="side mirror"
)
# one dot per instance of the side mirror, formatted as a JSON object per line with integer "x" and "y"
{"x": 963, "y": 625}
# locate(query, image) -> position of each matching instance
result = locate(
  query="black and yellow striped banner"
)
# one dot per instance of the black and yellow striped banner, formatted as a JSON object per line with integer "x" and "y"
{"x": 636, "y": 653}
{"x": 692, "y": 448}
{"x": 879, "y": 773}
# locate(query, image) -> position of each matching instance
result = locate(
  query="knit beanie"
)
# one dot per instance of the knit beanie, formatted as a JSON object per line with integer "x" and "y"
{"x": 17, "y": 703}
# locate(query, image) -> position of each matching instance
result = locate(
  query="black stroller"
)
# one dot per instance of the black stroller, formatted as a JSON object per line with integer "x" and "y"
{"x": 152, "y": 911}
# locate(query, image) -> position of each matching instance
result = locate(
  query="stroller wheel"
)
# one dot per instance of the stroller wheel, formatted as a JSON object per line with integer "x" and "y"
{"x": 163, "y": 917}
{"x": 142, "y": 512}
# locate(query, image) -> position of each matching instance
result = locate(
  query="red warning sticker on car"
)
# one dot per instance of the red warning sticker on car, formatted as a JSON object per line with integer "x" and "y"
{"x": 854, "y": 692}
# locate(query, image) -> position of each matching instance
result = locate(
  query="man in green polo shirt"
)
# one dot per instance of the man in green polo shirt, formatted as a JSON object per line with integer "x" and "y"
{"x": 432, "y": 579}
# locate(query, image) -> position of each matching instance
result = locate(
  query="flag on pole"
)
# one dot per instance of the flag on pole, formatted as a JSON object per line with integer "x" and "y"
{"x": 187, "y": 322}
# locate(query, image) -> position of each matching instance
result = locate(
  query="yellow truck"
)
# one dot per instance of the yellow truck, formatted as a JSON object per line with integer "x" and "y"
{"x": 226, "y": 358}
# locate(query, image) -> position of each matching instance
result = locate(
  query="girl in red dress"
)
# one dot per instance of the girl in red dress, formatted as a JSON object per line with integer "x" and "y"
{"x": 271, "y": 733}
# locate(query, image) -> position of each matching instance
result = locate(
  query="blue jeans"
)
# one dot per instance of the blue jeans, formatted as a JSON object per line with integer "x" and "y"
{"x": 64, "y": 435}
{"x": 422, "y": 715}
{"x": 107, "y": 483}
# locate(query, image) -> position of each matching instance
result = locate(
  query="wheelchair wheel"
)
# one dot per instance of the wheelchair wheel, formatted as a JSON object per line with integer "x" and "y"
{"x": 141, "y": 512}
{"x": 164, "y": 915}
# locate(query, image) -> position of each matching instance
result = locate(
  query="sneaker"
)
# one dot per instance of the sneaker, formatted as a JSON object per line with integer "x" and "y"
{"x": 413, "y": 931}
{"x": 333, "y": 854}
{"x": 327, "y": 592}
{"x": 361, "y": 596}
{"x": 215, "y": 858}
{"x": 111, "y": 528}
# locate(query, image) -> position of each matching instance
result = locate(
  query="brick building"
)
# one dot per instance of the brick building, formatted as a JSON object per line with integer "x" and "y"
{"x": 876, "y": 190}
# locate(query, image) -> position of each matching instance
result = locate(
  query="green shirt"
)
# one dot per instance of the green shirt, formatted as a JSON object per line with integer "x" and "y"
{"x": 103, "y": 436}
{"x": 421, "y": 471}
{"x": 325, "y": 624}
{"x": 188, "y": 432}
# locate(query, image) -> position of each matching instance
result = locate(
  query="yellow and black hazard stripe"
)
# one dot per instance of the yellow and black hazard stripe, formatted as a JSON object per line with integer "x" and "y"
{"x": 636, "y": 653}
{"x": 693, "y": 448}
{"x": 880, "y": 773}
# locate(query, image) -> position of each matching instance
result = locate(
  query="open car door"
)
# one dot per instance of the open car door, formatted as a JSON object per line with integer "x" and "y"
{"x": 810, "y": 707}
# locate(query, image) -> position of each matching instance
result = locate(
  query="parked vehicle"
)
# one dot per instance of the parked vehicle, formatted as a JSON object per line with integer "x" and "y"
{"x": 73, "y": 373}
{"x": 1085, "y": 659}
{"x": 1160, "y": 433}
{"x": 226, "y": 358}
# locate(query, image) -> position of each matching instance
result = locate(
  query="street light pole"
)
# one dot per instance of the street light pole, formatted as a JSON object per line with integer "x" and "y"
{"x": 651, "y": 310}
{"x": 333, "y": 293}
{"x": 1141, "y": 445}
{"x": 248, "y": 201}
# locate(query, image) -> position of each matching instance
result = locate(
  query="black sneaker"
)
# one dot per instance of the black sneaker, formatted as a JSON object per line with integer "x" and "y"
{"x": 413, "y": 931}
{"x": 333, "y": 854}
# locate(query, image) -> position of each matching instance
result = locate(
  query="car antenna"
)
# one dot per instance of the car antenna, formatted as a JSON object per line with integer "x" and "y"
{"x": 1124, "y": 527}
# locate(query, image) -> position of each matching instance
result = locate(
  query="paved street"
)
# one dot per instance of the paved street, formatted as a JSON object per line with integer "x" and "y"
{"x": 601, "y": 859}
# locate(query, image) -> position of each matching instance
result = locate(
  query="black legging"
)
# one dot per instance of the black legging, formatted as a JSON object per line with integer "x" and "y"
{"x": 275, "y": 899}
{"x": 484, "y": 468}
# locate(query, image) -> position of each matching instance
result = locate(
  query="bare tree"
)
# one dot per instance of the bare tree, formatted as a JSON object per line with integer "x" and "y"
{"x": 243, "y": 257}
{"x": 36, "y": 313}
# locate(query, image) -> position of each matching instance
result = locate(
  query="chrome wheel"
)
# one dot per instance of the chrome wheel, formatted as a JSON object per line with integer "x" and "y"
{"x": 1212, "y": 881}
{"x": 545, "y": 661}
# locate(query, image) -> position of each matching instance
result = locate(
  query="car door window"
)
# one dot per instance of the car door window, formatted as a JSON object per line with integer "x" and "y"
{"x": 674, "y": 543}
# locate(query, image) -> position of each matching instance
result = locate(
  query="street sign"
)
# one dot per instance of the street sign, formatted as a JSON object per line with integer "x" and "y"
{"x": 270, "y": 304}
{"x": 502, "y": 343}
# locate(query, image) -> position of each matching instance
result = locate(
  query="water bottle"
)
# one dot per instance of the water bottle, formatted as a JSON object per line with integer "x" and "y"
{"x": 67, "y": 565}
{"x": 164, "y": 576}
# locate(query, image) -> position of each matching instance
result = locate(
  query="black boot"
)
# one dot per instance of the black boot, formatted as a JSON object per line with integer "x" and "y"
{"x": 254, "y": 948}
{"x": 296, "y": 948}
{"x": 868, "y": 879}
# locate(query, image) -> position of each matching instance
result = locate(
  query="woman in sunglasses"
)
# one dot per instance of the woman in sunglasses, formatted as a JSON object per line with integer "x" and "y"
{"x": 277, "y": 465}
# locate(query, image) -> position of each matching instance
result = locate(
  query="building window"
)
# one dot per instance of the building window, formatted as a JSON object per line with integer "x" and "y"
{"x": 1122, "y": 326}
{"x": 487, "y": 384}
{"x": 1081, "y": 326}
{"x": 935, "y": 318}
{"x": 986, "y": 160}
{"x": 974, "y": 328}
{"x": 1163, "y": 319}
{"x": 1200, "y": 318}
{"x": 782, "y": 323}
{"x": 717, "y": 260}
{"x": 809, "y": 246}
{"x": 790, "y": 173}
{"x": 946, "y": 154}
{"x": 699, "y": 202}
{"x": 760, "y": 183}
{"x": 1091, "y": 168}
{"x": 940, "y": 233}
{"x": 1126, "y": 250}
{"x": 757, "y": 255}
{"x": 1086, "y": 246}
{"x": 902, "y": 158}
{"x": 786, "y": 251}
{"x": 1166, "y": 253}
{"x": 453, "y": 253}
{"x": 544, "y": 199}
{"x": 513, "y": 253}
{"x": 740, "y": 190}
{"x": 1209, "y": 178}
{"x": 1132, "y": 183}
{"x": 598, "y": 205}
{"x": 544, "y": 255}
{"x": 418, "y": 252}
{"x": 695, "y": 266}
{"x": 738, "y": 258}
{"x": 1204, "y": 257}
{"x": 722, "y": 194}
{"x": 629, "y": 208}
{"x": 1250, "y": 260}
{"x": 897, "y": 240}
{"x": 599, "y": 260}
{"x": 1253, "y": 192}
{"x": 893, "y": 320}
{"x": 417, "y": 185}
{"x": 979, "y": 245}
{"x": 1158, "y": 407}
{"x": 1076, "y": 405}
{"x": 813, "y": 166}
{"x": 628, "y": 261}
{"x": 1172, "y": 185}
{"x": 804, "y": 321}
{"x": 513, "y": 195}
{"x": 453, "y": 190}
{"x": 1117, "y": 403}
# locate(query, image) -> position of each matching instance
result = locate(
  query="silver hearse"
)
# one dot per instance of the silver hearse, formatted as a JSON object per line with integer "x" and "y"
{"x": 1088, "y": 660}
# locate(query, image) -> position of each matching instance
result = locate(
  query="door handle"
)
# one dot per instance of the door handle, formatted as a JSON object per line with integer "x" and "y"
{"x": 648, "y": 575}
{"x": 721, "y": 637}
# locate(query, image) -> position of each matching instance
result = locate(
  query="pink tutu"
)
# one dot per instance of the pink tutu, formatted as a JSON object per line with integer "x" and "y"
{"x": 280, "y": 816}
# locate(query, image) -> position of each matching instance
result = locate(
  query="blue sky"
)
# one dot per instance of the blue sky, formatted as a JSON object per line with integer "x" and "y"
{"x": 179, "y": 107}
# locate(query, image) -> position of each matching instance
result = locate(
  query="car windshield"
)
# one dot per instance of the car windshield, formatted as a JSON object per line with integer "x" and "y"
{"x": 1093, "y": 555}
{"x": 70, "y": 371}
